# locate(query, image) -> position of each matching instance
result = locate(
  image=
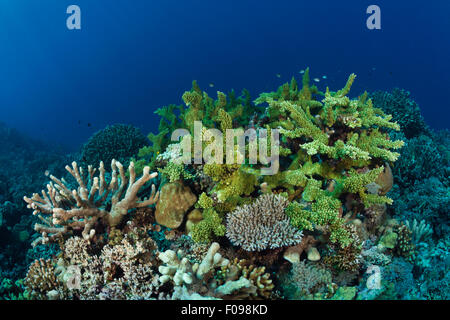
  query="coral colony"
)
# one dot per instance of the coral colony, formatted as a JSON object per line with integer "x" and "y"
{"x": 212, "y": 208}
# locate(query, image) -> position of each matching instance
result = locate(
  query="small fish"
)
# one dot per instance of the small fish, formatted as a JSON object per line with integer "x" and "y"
{"x": 324, "y": 77}
{"x": 316, "y": 79}
{"x": 302, "y": 71}
{"x": 79, "y": 121}
{"x": 278, "y": 75}
{"x": 373, "y": 69}
{"x": 211, "y": 85}
{"x": 47, "y": 173}
{"x": 89, "y": 124}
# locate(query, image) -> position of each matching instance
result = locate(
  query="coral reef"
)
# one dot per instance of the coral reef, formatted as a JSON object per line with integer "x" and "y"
{"x": 357, "y": 208}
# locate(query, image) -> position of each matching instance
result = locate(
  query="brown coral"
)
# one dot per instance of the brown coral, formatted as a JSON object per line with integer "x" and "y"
{"x": 65, "y": 211}
{"x": 175, "y": 201}
{"x": 261, "y": 284}
{"x": 41, "y": 279}
{"x": 385, "y": 180}
{"x": 346, "y": 258}
{"x": 404, "y": 247}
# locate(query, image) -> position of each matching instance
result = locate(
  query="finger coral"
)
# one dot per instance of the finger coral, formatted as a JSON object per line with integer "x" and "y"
{"x": 63, "y": 211}
{"x": 215, "y": 277}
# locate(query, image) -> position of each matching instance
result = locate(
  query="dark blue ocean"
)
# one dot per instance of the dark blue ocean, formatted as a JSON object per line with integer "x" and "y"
{"x": 131, "y": 57}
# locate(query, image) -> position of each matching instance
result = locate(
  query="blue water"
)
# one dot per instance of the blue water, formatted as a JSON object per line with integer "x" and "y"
{"x": 131, "y": 57}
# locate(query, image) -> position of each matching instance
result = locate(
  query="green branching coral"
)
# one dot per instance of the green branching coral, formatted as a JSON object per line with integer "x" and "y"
{"x": 174, "y": 172}
{"x": 220, "y": 113}
{"x": 211, "y": 225}
{"x": 339, "y": 146}
{"x": 333, "y": 150}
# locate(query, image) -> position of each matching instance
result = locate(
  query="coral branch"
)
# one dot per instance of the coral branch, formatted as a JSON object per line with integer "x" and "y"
{"x": 64, "y": 210}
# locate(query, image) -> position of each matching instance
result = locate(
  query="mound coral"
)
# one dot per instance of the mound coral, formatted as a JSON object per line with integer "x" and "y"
{"x": 119, "y": 141}
{"x": 174, "y": 202}
{"x": 403, "y": 109}
{"x": 63, "y": 211}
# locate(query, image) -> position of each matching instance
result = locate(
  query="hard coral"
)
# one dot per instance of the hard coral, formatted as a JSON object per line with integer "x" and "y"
{"x": 333, "y": 148}
{"x": 41, "y": 279}
{"x": 64, "y": 211}
{"x": 174, "y": 202}
{"x": 403, "y": 109}
{"x": 262, "y": 225}
{"x": 261, "y": 283}
{"x": 121, "y": 271}
{"x": 118, "y": 141}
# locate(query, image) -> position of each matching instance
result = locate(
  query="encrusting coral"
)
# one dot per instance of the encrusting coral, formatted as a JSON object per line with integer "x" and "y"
{"x": 63, "y": 210}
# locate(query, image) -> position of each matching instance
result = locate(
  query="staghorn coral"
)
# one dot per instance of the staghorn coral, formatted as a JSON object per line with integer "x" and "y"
{"x": 63, "y": 211}
{"x": 332, "y": 148}
{"x": 262, "y": 225}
